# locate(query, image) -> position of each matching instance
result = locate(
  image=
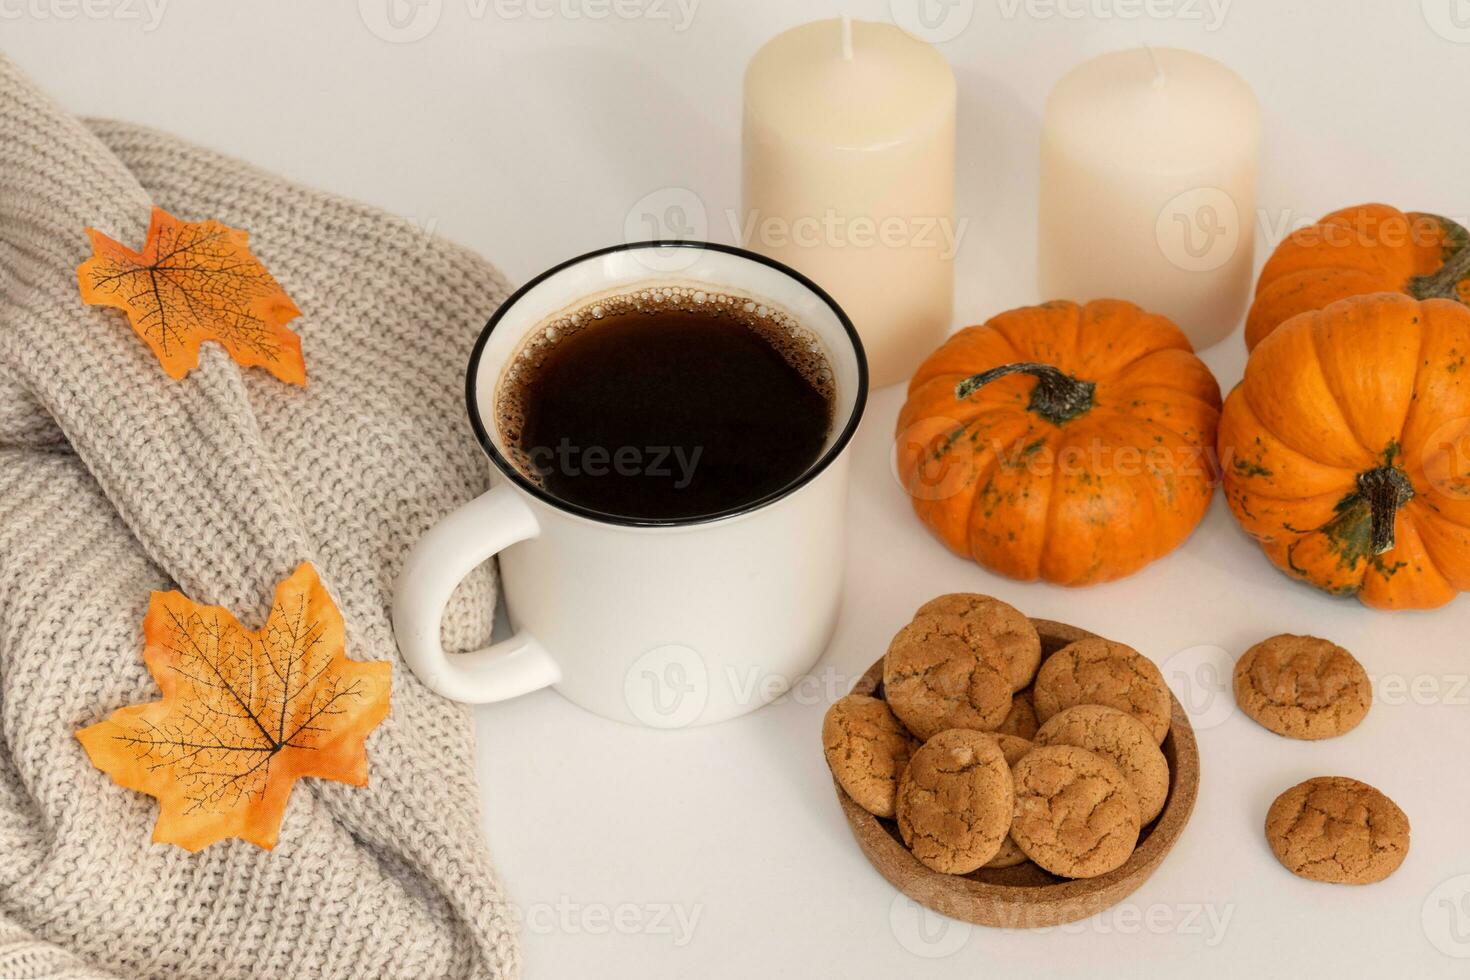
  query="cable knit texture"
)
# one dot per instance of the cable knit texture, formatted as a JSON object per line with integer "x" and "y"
{"x": 116, "y": 481}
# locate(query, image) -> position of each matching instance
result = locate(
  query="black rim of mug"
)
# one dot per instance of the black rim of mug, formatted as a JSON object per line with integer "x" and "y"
{"x": 812, "y": 472}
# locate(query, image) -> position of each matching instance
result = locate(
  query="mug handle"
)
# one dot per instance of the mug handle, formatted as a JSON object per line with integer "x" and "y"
{"x": 448, "y": 552}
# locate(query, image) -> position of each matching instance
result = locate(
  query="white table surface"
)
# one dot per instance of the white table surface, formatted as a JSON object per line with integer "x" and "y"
{"x": 720, "y": 852}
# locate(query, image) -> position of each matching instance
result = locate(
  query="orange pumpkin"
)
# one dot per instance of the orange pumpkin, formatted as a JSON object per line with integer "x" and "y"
{"x": 1371, "y": 248}
{"x": 1346, "y": 449}
{"x": 1062, "y": 442}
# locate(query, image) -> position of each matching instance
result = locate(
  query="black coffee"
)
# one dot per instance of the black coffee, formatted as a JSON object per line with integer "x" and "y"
{"x": 667, "y": 402}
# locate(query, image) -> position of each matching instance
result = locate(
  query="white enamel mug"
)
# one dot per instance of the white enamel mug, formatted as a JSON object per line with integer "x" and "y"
{"x": 664, "y": 623}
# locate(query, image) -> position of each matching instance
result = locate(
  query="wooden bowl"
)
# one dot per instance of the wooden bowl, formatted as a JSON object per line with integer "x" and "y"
{"x": 1026, "y": 897}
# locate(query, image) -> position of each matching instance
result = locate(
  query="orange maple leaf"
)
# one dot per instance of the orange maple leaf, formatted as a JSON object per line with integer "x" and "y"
{"x": 244, "y": 714}
{"x": 192, "y": 282}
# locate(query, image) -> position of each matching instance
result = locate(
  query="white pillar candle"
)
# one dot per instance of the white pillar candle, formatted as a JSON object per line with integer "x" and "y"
{"x": 848, "y": 177}
{"x": 1148, "y": 187}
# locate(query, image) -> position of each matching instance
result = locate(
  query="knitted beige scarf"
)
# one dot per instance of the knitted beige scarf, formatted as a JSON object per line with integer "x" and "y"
{"x": 116, "y": 481}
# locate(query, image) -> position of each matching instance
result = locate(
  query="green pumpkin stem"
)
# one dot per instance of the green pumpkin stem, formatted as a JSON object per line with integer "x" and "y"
{"x": 1387, "y": 489}
{"x": 1058, "y": 397}
{"x": 1444, "y": 284}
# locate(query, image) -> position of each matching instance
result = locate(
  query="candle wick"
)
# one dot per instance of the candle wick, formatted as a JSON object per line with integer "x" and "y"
{"x": 1158, "y": 81}
{"x": 846, "y": 38}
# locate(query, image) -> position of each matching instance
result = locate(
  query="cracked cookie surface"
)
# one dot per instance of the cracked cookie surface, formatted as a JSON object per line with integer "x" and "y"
{"x": 1302, "y": 687}
{"x": 1337, "y": 830}
{"x": 955, "y": 801}
{"x": 1122, "y": 740}
{"x": 934, "y": 680}
{"x": 1021, "y": 719}
{"x": 867, "y": 749}
{"x": 1013, "y": 748}
{"x": 1015, "y": 649}
{"x": 1098, "y": 671}
{"x": 1075, "y": 814}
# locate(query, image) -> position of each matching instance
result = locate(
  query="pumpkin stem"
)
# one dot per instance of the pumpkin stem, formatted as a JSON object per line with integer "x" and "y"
{"x": 1058, "y": 397}
{"x": 1444, "y": 284}
{"x": 1387, "y": 489}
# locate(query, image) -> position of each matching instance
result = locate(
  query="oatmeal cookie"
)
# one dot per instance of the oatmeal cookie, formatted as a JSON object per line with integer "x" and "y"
{"x": 955, "y": 801}
{"x": 1337, "y": 830}
{"x": 1021, "y": 719}
{"x": 1302, "y": 687}
{"x": 867, "y": 749}
{"x": 934, "y": 680}
{"x": 1098, "y": 671}
{"x": 1076, "y": 815}
{"x": 1016, "y": 648}
{"x": 1013, "y": 748}
{"x": 1121, "y": 739}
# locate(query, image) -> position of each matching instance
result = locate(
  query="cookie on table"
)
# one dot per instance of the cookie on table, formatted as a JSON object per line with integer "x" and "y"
{"x": 1076, "y": 816}
{"x": 1302, "y": 687}
{"x": 935, "y": 680}
{"x": 1098, "y": 671}
{"x": 955, "y": 800}
{"x": 867, "y": 749}
{"x": 1013, "y": 748}
{"x": 1121, "y": 739}
{"x": 1337, "y": 830}
{"x": 1021, "y": 719}
{"x": 1016, "y": 650}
